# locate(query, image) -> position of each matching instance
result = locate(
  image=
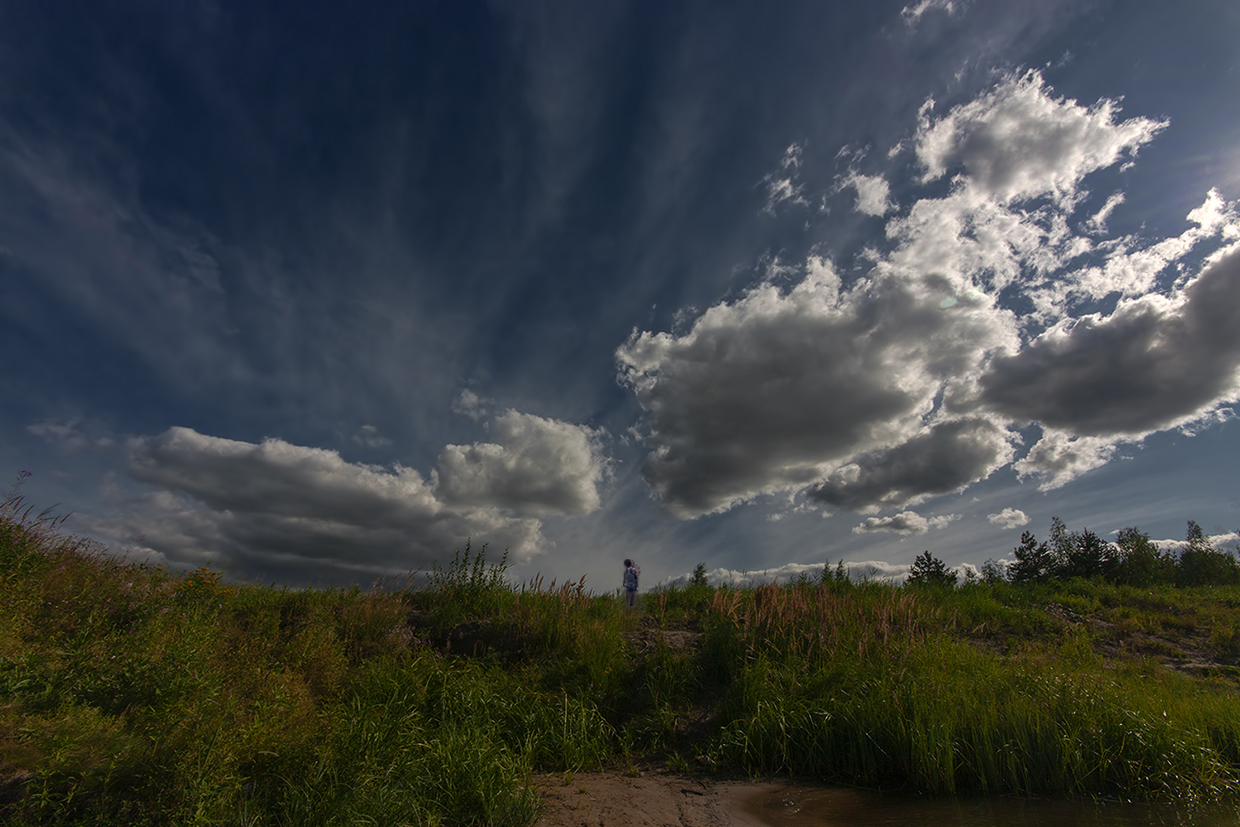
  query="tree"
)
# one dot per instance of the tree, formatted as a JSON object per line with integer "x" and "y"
{"x": 1140, "y": 561}
{"x": 699, "y": 576}
{"x": 1088, "y": 555}
{"x": 1201, "y": 564}
{"x": 1062, "y": 543}
{"x": 1034, "y": 562}
{"x": 993, "y": 572}
{"x": 928, "y": 570}
{"x": 840, "y": 578}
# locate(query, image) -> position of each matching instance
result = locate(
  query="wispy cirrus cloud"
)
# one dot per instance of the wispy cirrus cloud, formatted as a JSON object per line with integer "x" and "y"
{"x": 912, "y": 13}
{"x": 71, "y": 434}
{"x": 783, "y": 186}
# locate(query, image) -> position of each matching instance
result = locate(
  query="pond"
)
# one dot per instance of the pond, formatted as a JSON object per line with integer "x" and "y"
{"x": 816, "y": 807}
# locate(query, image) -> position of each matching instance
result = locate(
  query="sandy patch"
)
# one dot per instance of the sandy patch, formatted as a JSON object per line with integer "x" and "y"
{"x": 652, "y": 799}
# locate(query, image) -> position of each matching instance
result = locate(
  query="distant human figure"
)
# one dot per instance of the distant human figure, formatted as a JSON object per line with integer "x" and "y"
{"x": 631, "y": 572}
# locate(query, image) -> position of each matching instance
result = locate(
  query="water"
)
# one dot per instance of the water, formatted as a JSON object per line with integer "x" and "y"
{"x": 817, "y": 807}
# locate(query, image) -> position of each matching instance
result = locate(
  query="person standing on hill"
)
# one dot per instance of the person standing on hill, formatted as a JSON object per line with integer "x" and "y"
{"x": 631, "y": 572}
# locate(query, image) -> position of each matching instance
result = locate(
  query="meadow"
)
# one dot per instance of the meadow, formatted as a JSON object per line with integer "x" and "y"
{"x": 133, "y": 695}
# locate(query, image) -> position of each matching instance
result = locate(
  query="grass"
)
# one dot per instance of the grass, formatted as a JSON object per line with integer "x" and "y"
{"x": 132, "y": 695}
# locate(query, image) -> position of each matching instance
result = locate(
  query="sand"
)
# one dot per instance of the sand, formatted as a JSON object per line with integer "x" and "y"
{"x": 652, "y": 799}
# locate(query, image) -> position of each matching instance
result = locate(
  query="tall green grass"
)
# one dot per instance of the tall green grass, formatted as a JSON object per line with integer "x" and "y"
{"x": 875, "y": 685}
{"x": 132, "y": 695}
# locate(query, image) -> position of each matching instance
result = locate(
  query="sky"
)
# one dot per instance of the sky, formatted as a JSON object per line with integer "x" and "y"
{"x": 315, "y": 293}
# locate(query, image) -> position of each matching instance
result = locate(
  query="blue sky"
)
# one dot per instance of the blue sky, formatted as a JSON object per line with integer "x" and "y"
{"x": 315, "y": 292}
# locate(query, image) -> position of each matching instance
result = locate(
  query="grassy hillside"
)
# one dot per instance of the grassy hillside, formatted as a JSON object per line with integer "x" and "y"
{"x": 129, "y": 695}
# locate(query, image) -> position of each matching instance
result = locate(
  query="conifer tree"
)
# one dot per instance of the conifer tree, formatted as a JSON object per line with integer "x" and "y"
{"x": 930, "y": 571}
{"x": 1034, "y": 562}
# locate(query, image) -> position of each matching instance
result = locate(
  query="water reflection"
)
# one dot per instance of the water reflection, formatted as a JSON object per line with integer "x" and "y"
{"x": 815, "y": 807}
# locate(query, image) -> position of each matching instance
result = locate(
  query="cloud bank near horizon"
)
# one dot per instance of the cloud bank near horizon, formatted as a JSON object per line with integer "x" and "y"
{"x": 993, "y": 306}
{"x": 273, "y": 506}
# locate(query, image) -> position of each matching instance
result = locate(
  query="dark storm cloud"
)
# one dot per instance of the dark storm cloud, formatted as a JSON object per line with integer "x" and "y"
{"x": 1150, "y": 365}
{"x": 948, "y": 457}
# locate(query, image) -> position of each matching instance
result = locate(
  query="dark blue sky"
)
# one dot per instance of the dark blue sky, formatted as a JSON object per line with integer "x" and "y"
{"x": 317, "y": 292}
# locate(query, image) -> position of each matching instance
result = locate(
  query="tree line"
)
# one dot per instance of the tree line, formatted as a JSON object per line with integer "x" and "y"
{"x": 1132, "y": 559}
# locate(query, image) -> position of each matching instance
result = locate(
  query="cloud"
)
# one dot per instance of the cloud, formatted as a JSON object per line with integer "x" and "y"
{"x": 964, "y": 570}
{"x": 911, "y": 380}
{"x": 1154, "y": 363}
{"x": 1009, "y": 518}
{"x": 873, "y": 193}
{"x": 947, "y": 457}
{"x": 1097, "y": 223}
{"x": 779, "y": 190}
{"x": 1059, "y": 457}
{"x": 777, "y": 390}
{"x": 140, "y": 282}
{"x": 369, "y": 436}
{"x": 782, "y": 186}
{"x": 1019, "y": 142}
{"x": 788, "y": 572}
{"x": 1225, "y": 542}
{"x": 912, "y": 14}
{"x": 471, "y": 405}
{"x": 792, "y": 156}
{"x": 1130, "y": 269}
{"x": 536, "y": 466}
{"x": 68, "y": 435}
{"x": 300, "y": 512}
{"x": 906, "y": 522}
{"x": 1215, "y": 417}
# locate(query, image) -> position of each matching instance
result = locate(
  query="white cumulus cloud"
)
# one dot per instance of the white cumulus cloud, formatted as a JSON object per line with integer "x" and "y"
{"x": 777, "y": 390}
{"x": 912, "y": 379}
{"x": 536, "y": 466}
{"x": 1019, "y": 141}
{"x": 906, "y": 522}
{"x": 1009, "y": 518}
{"x": 873, "y": 193}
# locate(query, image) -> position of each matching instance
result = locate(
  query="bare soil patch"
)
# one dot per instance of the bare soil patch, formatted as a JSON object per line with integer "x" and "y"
{"x": 650, "y": 799}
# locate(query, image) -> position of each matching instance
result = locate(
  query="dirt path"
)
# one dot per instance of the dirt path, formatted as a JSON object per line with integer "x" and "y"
{"x": 651, "y": 800}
